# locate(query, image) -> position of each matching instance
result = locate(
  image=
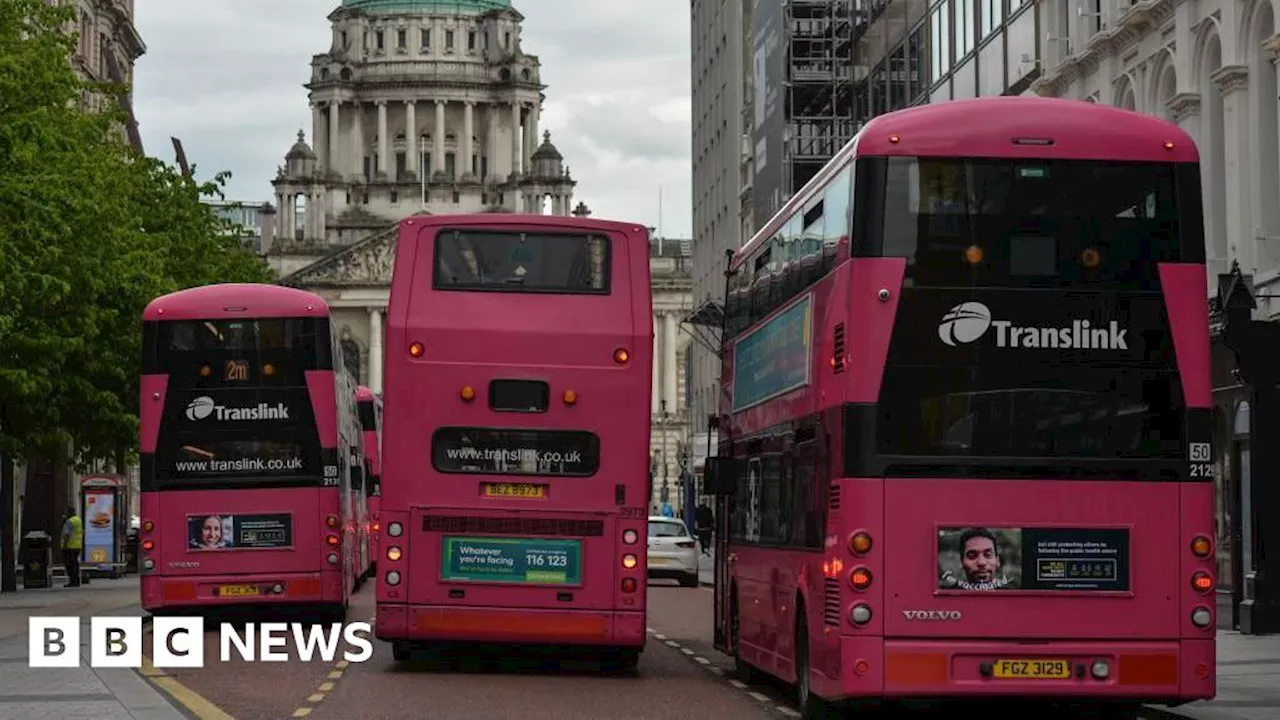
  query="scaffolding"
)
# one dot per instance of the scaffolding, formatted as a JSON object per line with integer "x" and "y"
{"x": 819, "y": 86}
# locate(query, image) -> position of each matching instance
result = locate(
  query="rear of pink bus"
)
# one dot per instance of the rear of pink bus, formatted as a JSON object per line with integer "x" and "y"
{"x": 370, "y": 406}
{"x": 244, "y": 484}
{"x": 515, "y": 485}
{"x": 1027, "y": 509}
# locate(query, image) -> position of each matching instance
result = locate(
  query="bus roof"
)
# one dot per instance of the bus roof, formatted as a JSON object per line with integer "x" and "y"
{"x": 242, "y": 299}
{"x": 551, "y": 222}
{"x": 364, "y": 394}
{"x": 987, "y": 127}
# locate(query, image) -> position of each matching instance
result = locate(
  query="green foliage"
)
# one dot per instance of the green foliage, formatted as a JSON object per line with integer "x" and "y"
{"x": 90, "y": 232}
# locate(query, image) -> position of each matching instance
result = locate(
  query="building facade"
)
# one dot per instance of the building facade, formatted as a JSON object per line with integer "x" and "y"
{"x": 419, "y": 106}
{"x": 107, "y": 49}
{"x": 670, "y": 266}
{"x": 719, "y": 82}
{"x": 1210, "y": 67}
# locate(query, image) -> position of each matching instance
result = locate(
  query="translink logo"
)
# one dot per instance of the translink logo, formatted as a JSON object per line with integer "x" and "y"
{"x": 204, "y": 406}
{"x": 968, "y": 322}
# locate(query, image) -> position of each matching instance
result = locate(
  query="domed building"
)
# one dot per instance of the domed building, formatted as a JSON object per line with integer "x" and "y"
{"x": 419, "y": 106}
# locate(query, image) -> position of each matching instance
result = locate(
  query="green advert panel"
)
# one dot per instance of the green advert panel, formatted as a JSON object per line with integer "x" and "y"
{"x": 513, "y": 560}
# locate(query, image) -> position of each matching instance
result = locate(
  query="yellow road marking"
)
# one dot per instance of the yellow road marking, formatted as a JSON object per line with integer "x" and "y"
{"x": 335, "y": 675}
{"x": 316, "y": 698}
{"x": 326, "y": 687}
{"x": 342, "y": 665}
{"x": 183, "y": 695}
{"x": 302, "y": 712}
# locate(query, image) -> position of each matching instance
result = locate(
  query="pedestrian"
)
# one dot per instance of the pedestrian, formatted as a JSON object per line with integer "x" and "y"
{"x": 72, "y": 546}
{"x": 706, "y": 523}
{"x": 667, "y": 511}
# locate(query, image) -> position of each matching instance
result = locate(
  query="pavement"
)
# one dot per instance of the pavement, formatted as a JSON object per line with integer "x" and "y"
{"x": 73, "y": 693}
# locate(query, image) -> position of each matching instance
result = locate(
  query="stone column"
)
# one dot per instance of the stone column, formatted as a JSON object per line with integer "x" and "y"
{"x": 334, "y": 154}
{"x": 437, "y": 152}
{"x": 288, "y": 217}
{"x": 467, "y": 146}
{"x": 384, "y": 142}
{"x": 669, "y": 361}
{"x": 491, "y": 142}
{"x": 656, "y": 394}
{"x": 375, "y": 349}
{"x": 515, "y": 137}
{"x": 530, "y": 136}
{"x": 1233, "y": 81}
{"x": 411, "y": 136}
{"x": 319, "y": 139}
{"x": 357, "y": 141}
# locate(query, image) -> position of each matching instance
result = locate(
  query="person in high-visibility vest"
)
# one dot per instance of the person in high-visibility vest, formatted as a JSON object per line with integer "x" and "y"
{"x": 72, "y": 546}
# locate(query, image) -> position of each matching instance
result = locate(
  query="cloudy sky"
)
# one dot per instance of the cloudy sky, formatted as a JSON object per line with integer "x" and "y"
{"x": 225, "y": 77}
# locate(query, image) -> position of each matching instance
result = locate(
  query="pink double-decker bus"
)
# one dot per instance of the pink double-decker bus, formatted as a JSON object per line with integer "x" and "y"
{"x": 370, "y": 407}
{"x": 964, "y": 433}
{"x": 248, "y": 431}
{"x": 515, "y": 489}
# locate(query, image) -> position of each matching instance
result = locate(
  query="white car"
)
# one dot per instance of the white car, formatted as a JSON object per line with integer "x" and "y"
{"x": 673, "y": 552}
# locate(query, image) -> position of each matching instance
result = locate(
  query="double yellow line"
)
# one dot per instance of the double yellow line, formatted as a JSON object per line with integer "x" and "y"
{"x": 195, "y": 703}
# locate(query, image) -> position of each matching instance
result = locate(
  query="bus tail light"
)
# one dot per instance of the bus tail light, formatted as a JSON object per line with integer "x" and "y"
{"x": 621, "y": 356}
{"x": 860, "y": 614}
{"x": 860, "y": 578}
{"x": 628, "y": 585}
{"x": 148, "y": 545}
{"x": 332, "y": 539}
{"x": 416, "y": 350}
{"x": 629, "y": 561}
{"x": 860, "y": 543}
{"x": 394, "y": 553}
{"x": 630, "y": 537}
{"x": 1202, "y": 581}
{"x": 331, "y": 520}
{"x": 1201, "y": 547}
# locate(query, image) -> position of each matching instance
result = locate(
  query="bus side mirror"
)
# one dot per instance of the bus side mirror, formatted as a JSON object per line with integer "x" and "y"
{"x": 720, "y": 476}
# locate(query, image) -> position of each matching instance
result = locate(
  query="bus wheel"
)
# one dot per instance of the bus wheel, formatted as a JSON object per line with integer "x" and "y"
{"x": 401, "y": 650}
{"x": 806, "y": 702}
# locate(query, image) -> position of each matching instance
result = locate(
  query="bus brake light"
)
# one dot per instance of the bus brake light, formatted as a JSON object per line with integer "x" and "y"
{"x": 860, "y": 578}
{"x": 332, "y": 540}
{"x": 148, "y": 545}
{"x": 1202, "y": 581}
{"x": 628, "y": 585}
{"x": 416, "y": 349}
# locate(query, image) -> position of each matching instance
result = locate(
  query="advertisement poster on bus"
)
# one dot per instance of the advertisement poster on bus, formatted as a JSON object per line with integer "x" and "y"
{"x": 774, "y": 359}
{"x": 1010, "y": 558}
{"x": 512, "y": 560}
{"x": 219, "y": 531}
{"x": 99, "y": 526}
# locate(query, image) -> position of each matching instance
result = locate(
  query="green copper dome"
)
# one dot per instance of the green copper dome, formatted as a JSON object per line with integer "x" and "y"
{"x": 462, "y": 7}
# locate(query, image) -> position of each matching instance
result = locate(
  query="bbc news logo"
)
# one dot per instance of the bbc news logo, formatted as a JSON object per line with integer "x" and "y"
{"x": 179, "y": 642}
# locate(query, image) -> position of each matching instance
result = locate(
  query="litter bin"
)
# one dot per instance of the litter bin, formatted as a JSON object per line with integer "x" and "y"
{"x": 37, "y": 560}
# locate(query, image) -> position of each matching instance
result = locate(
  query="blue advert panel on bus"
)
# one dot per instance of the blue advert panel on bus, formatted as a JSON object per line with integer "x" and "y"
{"x": 774, "y": 359}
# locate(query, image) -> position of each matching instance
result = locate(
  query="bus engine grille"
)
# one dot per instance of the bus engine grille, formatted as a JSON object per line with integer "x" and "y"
{"x": 543, "y": 527}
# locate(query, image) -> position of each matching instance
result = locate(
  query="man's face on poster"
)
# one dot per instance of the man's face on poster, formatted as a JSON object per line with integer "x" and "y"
{"x": 980, "y": 559}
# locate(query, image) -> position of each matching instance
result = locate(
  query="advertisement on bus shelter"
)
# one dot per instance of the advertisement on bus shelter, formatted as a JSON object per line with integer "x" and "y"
{"x": 1011, "y": 558}
{"x": 217, "y": 531}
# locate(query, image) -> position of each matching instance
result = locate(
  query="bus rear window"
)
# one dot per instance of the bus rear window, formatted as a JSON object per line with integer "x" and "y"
{"x": 490, "y": 261}
{"x": 201, "y": 457}
{"x": 565, "y": 453}
{"x": 237, "y": 353}
{"x": 1033, "y": 223}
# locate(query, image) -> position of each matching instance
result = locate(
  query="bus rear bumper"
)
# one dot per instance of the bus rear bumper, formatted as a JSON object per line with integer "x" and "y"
{"x": 1155, "y": 671}
{"x": 427, "y": 623}
{"x": 184, "y": 591}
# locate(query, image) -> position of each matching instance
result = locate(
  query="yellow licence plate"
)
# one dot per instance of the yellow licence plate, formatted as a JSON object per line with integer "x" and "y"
{"x": 515, "y": 490}
{"x": 657, "y": 561}
{"x": 1032, "y": 669}
{"x": 238, "y": 590}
